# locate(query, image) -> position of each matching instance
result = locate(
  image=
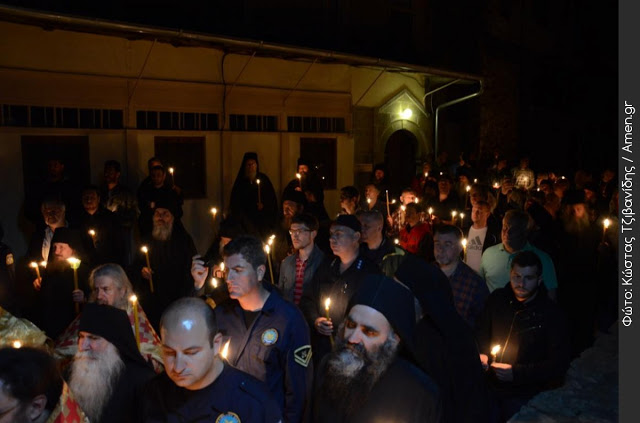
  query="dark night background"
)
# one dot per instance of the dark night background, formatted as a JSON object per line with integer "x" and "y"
{"x": 550, "y": 67}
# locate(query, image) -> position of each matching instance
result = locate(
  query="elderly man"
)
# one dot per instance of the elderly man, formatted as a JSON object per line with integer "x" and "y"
{"x": 268, "y": 336}
{"x": 58, "y": 297}
{"x": 198, "y": 385}
{"x": 469, "y": 289}
{"x": 110, "y": 286}
{"x": 531, "y": 332}
{"x": 30, "y": 385}
{"x": 108, "y": 373}
{"x": 336, "y": 280}
{"x": 368, "y": 377}
{"x": 496, "y": 259}
{"x": 170, "y": 250}
{"x": 298, "y": 269}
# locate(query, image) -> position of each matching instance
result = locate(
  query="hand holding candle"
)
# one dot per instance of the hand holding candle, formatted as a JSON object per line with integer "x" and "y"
{"x": 494, "y": 352}
{"x": 327, "y": 304}
{"x": 145, "y": 250}
{"x": 35, "y": 266}
{"x": 136, "y": 319}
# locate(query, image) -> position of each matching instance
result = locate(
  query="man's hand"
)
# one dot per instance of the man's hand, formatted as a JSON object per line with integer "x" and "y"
{"x": 484, "y": 359}
{"x": 503, "y": 371}
{"x": 78, "y": 296}
{"x": 324, "y": 326}
{"x": 390, "y": 221}
{"x": 37, "y": 284}
{"x": 198, "y": 272}
{"x": 146, "y": 273}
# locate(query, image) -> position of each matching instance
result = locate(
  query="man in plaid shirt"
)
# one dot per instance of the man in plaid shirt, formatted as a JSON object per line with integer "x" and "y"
{"x": 469, "y": 289}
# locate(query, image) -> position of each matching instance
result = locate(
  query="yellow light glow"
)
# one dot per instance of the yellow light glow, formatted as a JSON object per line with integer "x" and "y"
{"x": 396, "y": 241}
{"x": 298, "y": 176}
{"x": 406, "y": 113}
{"x": 464, "y": 243}
{"x": 133, "y": 299}
{"x": 222, "y": 266}
{"x": 327, "y": 304}
{"x": 214, "y": 211}
{"x": 17, "y": 344}
{"x": 214, "y": 282}
{"x": 43, "y": 263}
{"x": 495, "y": 350}
{"x": 33, "y": 264}
{"x": 461, "y": 215}
{"x": 171, "y": 171}
{"x": 267, "y": 249}
{"x": 368, "y": 200}
{"x": 258, "y": 181}
{"x": 144, "y": 249}
{"x": 74, "y": 262}
{"x": 468, "y": 188}
{"x": 416, "y": 200}
{"x": 92, "y": 233}
{"x": 454, "y": 213}
{"x": 225, "y": 349}
{"x": 430, "y": 210}
{"x": 606, "y": 223}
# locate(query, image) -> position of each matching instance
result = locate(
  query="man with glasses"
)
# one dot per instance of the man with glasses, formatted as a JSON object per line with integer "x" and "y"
{"x": 297, "y": 270}
{"x": 336, "y": 280}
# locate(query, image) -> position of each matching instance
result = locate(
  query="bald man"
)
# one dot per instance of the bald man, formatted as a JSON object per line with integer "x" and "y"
{"x": 198, "y": 383}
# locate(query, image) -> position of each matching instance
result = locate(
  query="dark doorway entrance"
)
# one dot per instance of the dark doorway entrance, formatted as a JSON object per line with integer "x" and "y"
{"x": 400, "y": 158}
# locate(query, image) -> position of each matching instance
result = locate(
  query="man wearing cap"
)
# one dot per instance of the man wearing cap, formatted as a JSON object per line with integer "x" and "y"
{"x": 268, "y": 336}
{"x": 170, "y": 250}
{"x": 369, "y": 376}
{"x": 444, "y": 343}
{"x": 57, "y": 294}
{"x": 198, "y": 384}
{"x": 108, "y": 372}
{"x": 336, "y": 280}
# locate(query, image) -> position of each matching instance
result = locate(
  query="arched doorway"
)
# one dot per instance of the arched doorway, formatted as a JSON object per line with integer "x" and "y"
{"x": 400, "y": 158}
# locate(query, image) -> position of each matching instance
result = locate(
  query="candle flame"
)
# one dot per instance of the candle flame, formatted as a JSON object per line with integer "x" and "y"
{"x": 267, "y": 249}
{"x": 403, "y": 208}
{"x": 495, "y": 350}
{"x": 144, "y": 249}
{"x": 298, "y": 176}
{"x": 393, "y": 201}
{"x": 33, "y": 264}
{"x": 222, "y": 266}
{"x": 396, "y": 241}
{"x": 454, "y": 213}
{"x": 475, "y": 181}
{"x": 430, "y": 210}
{"x": 214, "y": 211}
{"x": 133, "y": 299}
{"x": 468, "y": 188}
{"x": 327, "y": 303}
{"x": 426, "y": 174}
{"x": 368, "y": 200}
{"x": 606, "y": 223}
{"x": 416, "y": 200}
{"x": 225, "y": 349}
{"x": 214, "y": 282}
{"x": 464, "y": 242}
{"x": 17, "y": 344}
{"x": 92, "y": 232}
{"x": 496, "y": 185}
{"x": 461, "y": 215}
{"x": 74, "y": 262}
{"x": 43, "y": 263}
{"x": 171, "y": 170}
{"x": 258, "y": 181}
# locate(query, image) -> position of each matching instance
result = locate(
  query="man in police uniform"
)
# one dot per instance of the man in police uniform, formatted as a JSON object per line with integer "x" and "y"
{"x": 198, "y": 384}
{"x": 268, "y": 336}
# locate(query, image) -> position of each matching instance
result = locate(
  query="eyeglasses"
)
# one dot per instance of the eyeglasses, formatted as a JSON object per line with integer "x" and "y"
{"x": 297, "y": 232}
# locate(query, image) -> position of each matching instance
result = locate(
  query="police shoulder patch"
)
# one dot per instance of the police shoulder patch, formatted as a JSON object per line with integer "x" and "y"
{"x": 9, "y": 259}
{"x": 302, "y": 355}
{"x": 269, "y": 337}
{"x": 228, "y": 417}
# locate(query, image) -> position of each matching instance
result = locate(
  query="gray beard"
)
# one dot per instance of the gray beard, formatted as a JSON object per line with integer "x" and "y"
{"x": 161, "y": 233}
{"x": 93, "y": 377}
{"x": 352, "y": 372}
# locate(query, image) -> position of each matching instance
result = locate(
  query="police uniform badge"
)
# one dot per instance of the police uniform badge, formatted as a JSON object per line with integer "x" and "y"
{"x": 302, "y": 355}
{"x": 228, "y": 417}
{"x": 269, "y": 337}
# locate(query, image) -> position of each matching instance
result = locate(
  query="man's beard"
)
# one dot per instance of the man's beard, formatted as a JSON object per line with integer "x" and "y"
{"x": 93, "y": 377}
{"x": 576, "y": 225}
{"x": 352, "y": 372}
{"x": 161, "y": 232}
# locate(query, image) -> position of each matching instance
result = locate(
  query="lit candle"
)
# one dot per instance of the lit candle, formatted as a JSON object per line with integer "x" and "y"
{"x": 299, "y": 179}
{"x": 75, "y": 264}
{"x": 426, "y": 175}
{"x": 494, "y": 352}
{"x": 393, "y": 201}
{"x": 466, "y": 201}
{"x": 222, "y": 269}
{"x": 171, "y": 171}
{"x": 225, "y": 350}
{"x": 396, "y": 241}
{"x": 606, "y": 223}
{"x": 214, "y": 211}
{"x": 214, "y": 283}
{"x": 92, "y": 233}
{"x": 368, "y": 200}
{"x": 416, "y": 200}
{"x": 403, "y": 208}
{"x": 475, "y": 181}
{"x": 388, "y": 209}
{"x": 16, "y": 344}
{"x": 145, "y": 250}
{"x": 453, "y": 217}
{"x": 461, "y": 220}
{"x": 267, "y": 249}
{"x": 34, "y": 266}
{"x": 464, "y": 249}
{"x": 136, "y": 320}
{"x": 259, "y": 198}
{"x": 327, "y": 304}
{"x": 430, "y": 211}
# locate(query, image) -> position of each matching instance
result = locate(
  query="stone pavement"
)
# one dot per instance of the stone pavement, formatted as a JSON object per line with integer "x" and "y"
{"x": 590, "y": 392}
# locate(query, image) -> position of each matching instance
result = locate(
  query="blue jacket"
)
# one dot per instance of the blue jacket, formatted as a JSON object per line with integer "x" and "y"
{"x": 275, "y": 349}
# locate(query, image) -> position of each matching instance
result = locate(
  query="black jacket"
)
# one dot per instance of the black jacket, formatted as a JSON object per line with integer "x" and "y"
{"x": 533, "y": 337}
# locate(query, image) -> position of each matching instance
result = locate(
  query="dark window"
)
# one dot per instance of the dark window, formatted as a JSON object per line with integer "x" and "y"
{"x": 253, "y": 123}
{"x": 60, "y": 117}
{"x": 315, "y": 124}
{"x": 187, "y": 156}
{"x": 322, "y": 152}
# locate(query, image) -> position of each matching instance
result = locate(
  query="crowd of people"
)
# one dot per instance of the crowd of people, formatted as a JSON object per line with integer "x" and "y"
{"x": 456, "y": 298}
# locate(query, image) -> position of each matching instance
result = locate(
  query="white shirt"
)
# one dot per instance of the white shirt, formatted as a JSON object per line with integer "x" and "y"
{"x": 475, "y": 241}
